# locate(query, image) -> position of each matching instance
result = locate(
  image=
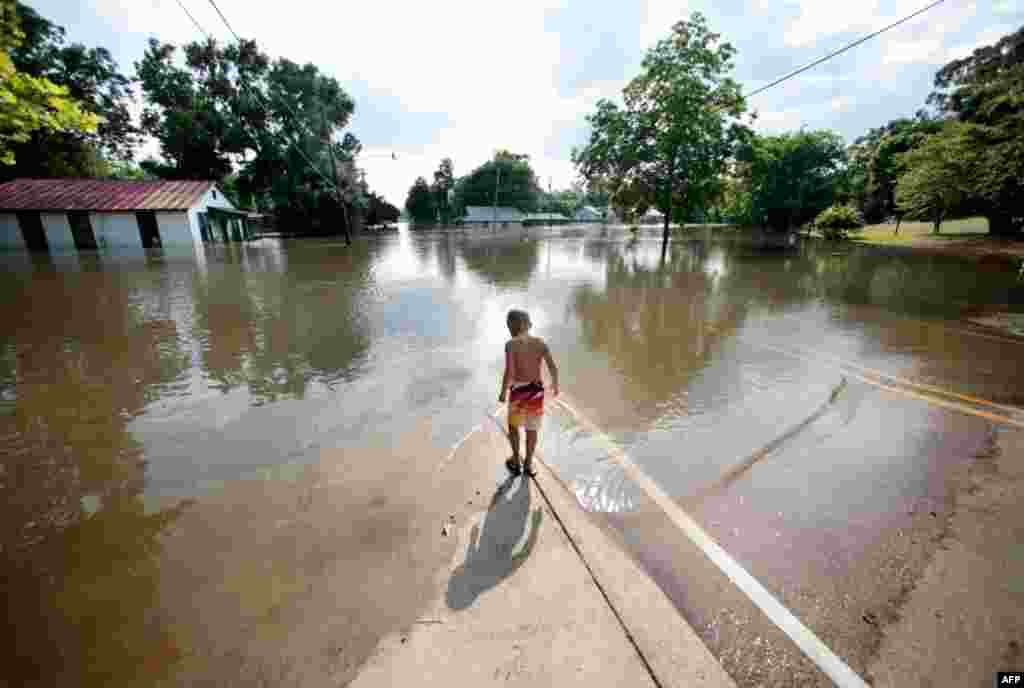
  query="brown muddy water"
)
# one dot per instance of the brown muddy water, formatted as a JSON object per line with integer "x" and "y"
{"x": 136, "y": 388}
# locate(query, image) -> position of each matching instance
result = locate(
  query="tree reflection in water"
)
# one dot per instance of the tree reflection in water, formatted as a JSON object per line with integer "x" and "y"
{"x": 658, "y": 322}
{"x": 273, "y": 332}
{"x": 506, "y": 260}
{"x": 77, "y": 546}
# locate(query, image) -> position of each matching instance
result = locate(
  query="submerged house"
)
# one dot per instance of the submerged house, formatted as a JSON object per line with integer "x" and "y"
{"x": 589, "y": 213}
{"x": 544, "y": 219}
{"x": 653, "y": 217}
{"x": 485, "y": 216}
{"x": 65, "y": 214}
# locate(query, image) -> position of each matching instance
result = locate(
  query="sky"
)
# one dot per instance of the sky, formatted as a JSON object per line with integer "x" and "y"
{"x": 464, "y": 78}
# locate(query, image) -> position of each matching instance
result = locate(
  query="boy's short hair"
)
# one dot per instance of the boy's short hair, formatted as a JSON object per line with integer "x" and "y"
{"x": 518, "y": 320}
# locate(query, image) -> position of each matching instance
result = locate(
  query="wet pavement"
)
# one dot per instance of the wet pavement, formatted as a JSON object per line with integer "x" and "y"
{"x": 132, "y": 382}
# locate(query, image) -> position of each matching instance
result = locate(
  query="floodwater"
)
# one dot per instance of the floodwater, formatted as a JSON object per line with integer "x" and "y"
{"x": 132, "y": 384}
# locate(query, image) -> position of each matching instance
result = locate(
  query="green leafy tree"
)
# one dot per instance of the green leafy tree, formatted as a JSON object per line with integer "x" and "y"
{"x": 420, "y": 203}
{"x": 565, "y": 202}
{"x": 379, "y": 211}
{"x": 791, "y": 177}
{"x": 92, "y": 78}
{"x": 937, "y": 177}
{"x": 837, "y": 221}
{"x": 873, "y": 165}
{"x": 508, "y": 177}
{"x": 31, "y": 103}
{"x": 275, "y": 122}
{"x": 985, "y": 91}
{"x": 123, "y": 169}
{"x": 444, "y": 186}
{"x": 669, "y": 143}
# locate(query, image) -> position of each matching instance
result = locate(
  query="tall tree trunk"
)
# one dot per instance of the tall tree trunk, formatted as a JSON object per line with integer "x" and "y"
{"x": 670, "y": 188}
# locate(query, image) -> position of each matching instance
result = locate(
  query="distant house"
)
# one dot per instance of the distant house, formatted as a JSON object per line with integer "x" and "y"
{"x": 481, "y": 215}
{"x": 653, "y": 217}
{"x": 65, "y": 214}
{"x": 589, "y": 213}
{"x": 544, "y": 219}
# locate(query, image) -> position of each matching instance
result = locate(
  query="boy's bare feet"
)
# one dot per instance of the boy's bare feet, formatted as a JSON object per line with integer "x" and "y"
{"x": 528, "y": 469}
{"x": 512, "y": 464}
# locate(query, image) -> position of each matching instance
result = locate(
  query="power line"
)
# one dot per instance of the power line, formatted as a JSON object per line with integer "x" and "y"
{"x": 198, "y": 25}
{"x": 225, "y": 20}
{"x": 840, "y": 51}
{"x": 287, "y": 107}
{"x": 259, "y": 96}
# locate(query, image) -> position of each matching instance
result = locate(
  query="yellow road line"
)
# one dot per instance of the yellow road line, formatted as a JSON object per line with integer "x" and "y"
{"x": 902, "y": 380}
{"x": 1004, "y": 420}
{"x": 947, "y": 328}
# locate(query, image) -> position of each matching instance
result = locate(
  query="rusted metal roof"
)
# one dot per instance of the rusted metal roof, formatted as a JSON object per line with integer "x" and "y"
{"x": 100, "y": 194}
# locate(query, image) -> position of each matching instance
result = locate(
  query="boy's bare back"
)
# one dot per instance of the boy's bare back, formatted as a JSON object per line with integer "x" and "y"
{"x": 525, "y": 354}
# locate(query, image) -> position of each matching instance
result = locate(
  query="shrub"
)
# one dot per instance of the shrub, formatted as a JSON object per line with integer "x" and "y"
{"x": 836, "y": 222}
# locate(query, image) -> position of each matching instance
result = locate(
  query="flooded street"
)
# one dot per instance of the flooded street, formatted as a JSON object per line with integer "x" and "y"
{"x": 818, "y": 411}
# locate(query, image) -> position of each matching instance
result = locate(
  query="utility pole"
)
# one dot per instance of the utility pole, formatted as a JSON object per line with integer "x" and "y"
{"x": 337, "y": 190}
{"x": 496, "y": 178}
{"x": 550, "y": 201}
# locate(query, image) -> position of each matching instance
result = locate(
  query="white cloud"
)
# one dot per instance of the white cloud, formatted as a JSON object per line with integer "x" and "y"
{"x": 779, "y": 120}
{"x": 906, "y": 52}
{"x": 840, "y": 103}
{"x": 467, "y": 60}
{"x": 659, "y": 17}
{"x": 493, "y": 70}
{"x": 819, "y": 20}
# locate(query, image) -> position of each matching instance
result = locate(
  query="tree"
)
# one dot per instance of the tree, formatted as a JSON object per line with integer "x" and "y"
{"x": 120, "y": 169}
{"x": 92, "y": 79}
{"x": 791, "y": 177}
{"x": 873, "y": 166}
{"x": 837, "y": 221}
{"x": 564, "y": 202}
{"x": 31, "y": 103}
{"x": 275, "y": 122}
{"x": 420, "y": 201}
{"x": 937, "y": 176}
{"x": 669, "y": 143}
{"x": 508, "y": 178}
{"x": 985, "y": 91}
{"x": 444, "y": 184}
{"x": 380, "y": 211}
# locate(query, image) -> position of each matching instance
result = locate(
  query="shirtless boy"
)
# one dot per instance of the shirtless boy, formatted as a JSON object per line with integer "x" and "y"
{"x": 523, "y": 355}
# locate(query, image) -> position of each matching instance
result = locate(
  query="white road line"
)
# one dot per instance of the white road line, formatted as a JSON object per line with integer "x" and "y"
{"x": 826, "y": 660}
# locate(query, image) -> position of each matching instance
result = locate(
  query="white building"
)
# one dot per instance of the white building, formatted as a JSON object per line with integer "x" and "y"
{"x": 61, "y": 215}
{"x": 589, "y": 213}
{"x": 489, "y": 215}
{"x": 653, "y": 217}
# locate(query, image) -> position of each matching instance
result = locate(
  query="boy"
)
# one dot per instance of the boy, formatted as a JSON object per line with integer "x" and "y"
{"x": 523, "y": 355}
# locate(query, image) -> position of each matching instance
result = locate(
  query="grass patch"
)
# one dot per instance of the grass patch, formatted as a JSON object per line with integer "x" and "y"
{"x": 912, "y": 232}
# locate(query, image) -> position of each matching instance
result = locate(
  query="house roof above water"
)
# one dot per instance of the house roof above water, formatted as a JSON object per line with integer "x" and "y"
{"x": 481, "y": 213}
{"x": 101, "y": 194}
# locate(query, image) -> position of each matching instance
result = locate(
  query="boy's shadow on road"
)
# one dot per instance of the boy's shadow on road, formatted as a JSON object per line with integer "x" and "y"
{"x": 493, "y": 555}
